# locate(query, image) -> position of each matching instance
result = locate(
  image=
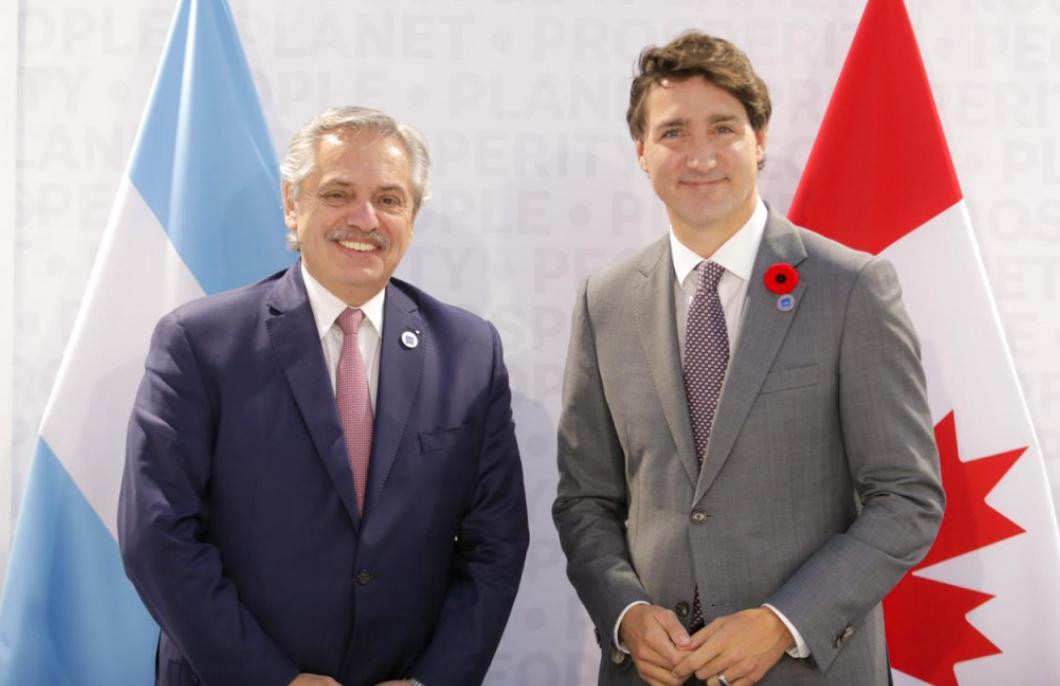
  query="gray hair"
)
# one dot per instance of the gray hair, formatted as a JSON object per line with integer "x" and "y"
{"x": 301, "y": 152}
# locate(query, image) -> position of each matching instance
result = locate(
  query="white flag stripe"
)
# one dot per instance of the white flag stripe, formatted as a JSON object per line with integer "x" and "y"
{"x": 970, "y": 373}
{"x": 965, "y": 354}
{"x": 1021, "y": 573}
{"x": 137, "y": 277}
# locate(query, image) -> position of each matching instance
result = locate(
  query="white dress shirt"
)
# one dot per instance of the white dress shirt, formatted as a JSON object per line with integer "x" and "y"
{"x": 326, "y": 308}
{"x": 737, "y": 255}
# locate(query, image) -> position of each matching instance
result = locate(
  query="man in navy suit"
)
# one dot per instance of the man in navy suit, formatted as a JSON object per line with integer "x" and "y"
{"x": 279, "y": 536}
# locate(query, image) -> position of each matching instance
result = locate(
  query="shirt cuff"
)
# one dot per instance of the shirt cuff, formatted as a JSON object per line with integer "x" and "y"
{"x": 618, "y": 623}
{"x": 801, "y": 650}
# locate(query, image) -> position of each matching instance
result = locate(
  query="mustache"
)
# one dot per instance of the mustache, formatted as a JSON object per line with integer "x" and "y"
{"x": 380, "y": 239}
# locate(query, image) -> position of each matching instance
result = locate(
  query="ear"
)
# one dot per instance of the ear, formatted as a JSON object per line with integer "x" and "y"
{"x": 761, "y": 137}
{"x": 639, "y": 147}
{"x": 290, "y": 214}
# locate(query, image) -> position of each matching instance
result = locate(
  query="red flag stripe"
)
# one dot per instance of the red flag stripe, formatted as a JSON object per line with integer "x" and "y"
{"x": 880, "y": 166}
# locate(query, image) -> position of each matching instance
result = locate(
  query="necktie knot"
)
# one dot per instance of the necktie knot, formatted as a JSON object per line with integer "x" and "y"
{"x": 710, "y": 274}
{"x": 350, "y": 320}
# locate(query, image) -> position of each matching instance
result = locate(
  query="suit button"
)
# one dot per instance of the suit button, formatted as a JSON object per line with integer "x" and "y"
{"x": 699, "y": 516}
{"x": 681, "y": 609}
{"x": 841, "y": 638}
{"x": 617, "y": 656}
{"x": 363, "y": 577}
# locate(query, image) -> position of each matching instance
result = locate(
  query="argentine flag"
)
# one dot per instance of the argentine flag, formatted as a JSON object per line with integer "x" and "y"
{"x": 198, "y": 211}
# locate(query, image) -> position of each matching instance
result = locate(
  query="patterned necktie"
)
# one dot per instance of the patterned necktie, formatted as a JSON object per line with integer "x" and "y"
{"x": 355, "y": 406}
{"x": 706, "y": 359}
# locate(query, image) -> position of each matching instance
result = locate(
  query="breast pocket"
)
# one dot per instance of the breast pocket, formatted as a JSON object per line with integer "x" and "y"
{"x": 464, "y": 437}
{"x": 792, "y": 377}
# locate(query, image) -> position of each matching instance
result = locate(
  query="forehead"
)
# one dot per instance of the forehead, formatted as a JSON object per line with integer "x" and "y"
{"x": 692, "y": 98}
{"x": 361, "y": 157}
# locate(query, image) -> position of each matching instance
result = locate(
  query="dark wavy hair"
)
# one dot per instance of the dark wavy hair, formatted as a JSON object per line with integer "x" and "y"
{"x": 696, "y": 54}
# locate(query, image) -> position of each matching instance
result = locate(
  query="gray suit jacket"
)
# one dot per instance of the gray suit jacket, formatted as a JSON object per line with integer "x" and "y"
{"x": 820, "y": 486}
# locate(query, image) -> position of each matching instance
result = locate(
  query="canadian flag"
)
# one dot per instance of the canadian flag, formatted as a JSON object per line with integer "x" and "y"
{"x": 984, "y": 605}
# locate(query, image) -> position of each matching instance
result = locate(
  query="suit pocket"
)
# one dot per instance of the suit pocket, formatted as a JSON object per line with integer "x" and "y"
{"x": 792, "y": 377}
{"x": 445, "y": 439}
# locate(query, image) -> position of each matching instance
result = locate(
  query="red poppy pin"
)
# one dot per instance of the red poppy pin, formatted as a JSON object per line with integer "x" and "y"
{"x": 781, "y": 278}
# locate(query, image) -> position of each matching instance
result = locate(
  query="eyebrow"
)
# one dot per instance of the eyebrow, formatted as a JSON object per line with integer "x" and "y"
{"x": 719, "y": 118}
{"x": 394, "y": 187}
{"x": 676, "y": 121}
{"x": 331, "y": 183}
{"x": 680, "y": 121}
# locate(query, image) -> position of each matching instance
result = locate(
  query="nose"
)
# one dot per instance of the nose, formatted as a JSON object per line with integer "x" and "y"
{"x": 362, "y": 215}
{"x": 701, "y": 156}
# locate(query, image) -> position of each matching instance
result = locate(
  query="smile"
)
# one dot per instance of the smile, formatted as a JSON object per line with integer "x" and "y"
{"x": 701, "y": 183}
{"x": 358, "y": 246}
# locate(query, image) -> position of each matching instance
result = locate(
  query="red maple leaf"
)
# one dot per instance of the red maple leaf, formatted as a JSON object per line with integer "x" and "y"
{"x": 927, "y": 629}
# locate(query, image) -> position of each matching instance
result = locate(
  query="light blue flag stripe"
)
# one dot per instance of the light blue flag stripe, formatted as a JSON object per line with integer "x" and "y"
{"x": 204, "y": 164}
{"x": 65, "y": 572}
{"x": 203, "y": 160}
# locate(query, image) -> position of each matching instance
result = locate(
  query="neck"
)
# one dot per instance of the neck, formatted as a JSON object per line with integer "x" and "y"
{"x": 351, "y": 296}
{"x": 355, "y": 297}
{"x": 705, "y": 239}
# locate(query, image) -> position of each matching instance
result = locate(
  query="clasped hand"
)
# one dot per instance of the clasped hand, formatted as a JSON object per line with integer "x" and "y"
{"x": 742, "y": 646}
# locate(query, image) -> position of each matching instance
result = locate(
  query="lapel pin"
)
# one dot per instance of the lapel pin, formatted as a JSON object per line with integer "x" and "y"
{"x": 409, "y": 339}
{"x": 781, "y": 278}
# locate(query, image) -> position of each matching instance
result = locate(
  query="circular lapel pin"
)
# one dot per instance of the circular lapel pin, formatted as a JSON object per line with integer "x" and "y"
{"x": 409, "y": 339}
{"x": 786, "y": 303}
{"x": 781, "y": 278}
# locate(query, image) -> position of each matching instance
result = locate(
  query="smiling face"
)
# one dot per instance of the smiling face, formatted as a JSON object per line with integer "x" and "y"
{"x": 702, "y": 155}
{"x": 354, "y": 214}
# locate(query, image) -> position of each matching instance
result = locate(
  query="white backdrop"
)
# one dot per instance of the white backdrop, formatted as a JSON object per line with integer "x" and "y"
{"x": 534, "y": 181}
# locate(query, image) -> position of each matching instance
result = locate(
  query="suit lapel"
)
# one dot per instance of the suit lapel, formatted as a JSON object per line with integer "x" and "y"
{"x": 296, "y": 343}
{"x": 761, "y": 334}
{"x": 653, "y": 301}
{"x": 400, "y": 369}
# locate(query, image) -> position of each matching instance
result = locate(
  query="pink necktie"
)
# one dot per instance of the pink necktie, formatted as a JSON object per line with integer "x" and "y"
{"x": 355, "y": 406}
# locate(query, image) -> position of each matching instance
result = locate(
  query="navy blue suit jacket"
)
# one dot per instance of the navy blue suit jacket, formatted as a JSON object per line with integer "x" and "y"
{"x": 237, "y": 518}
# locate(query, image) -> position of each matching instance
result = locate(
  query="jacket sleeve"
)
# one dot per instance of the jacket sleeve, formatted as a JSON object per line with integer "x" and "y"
{"x": 592, "y": 502}
{"x": 491, "y": 550}
{"x": 890, "y": 448}
{"x": 163, "y": 517}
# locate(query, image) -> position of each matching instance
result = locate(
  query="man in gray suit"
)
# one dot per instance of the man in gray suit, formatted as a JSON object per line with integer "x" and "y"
{"x": 747, "y": 463}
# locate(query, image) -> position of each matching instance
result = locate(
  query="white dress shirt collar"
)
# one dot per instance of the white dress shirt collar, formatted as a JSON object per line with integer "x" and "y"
{"x": 327, "y": 306}
{"x": 737, "y": 255}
